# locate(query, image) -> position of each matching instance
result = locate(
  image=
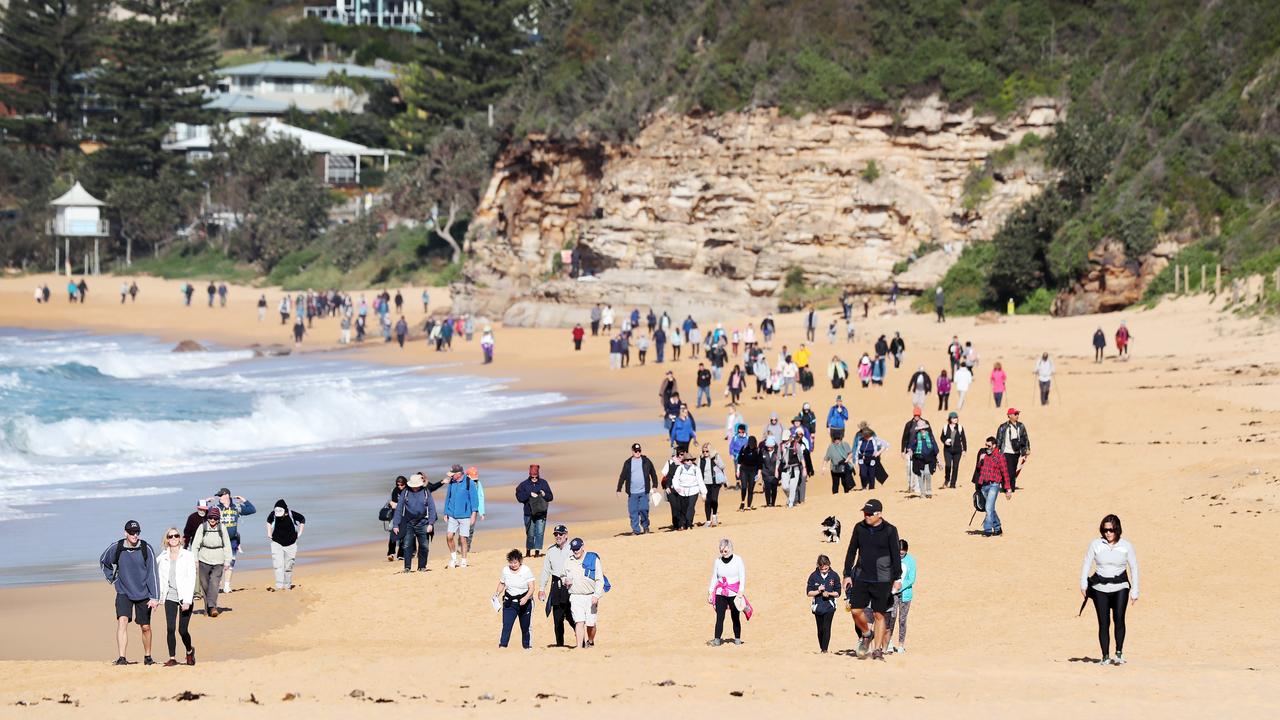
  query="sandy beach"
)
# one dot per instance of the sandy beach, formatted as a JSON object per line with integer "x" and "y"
{"x": 1181, "y": 442}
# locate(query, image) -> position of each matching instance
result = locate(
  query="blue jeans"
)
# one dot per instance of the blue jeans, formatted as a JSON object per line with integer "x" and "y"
{"x": 715, "y": 373}
{"x": 411, "y": 533}
{"x": 999, "y": 397}
{"x": 509, "y": 614}
{"x": 661, "y": 348}
{"x": 703, "y": 392}
{"x": 533, "y": 530}
{"x": 638, "y": 509}
{"x": 991, "y": 523}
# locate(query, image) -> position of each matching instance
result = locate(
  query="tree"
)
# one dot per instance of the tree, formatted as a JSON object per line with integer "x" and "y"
{"x": 160, "y": 61}
{"x": 468, "y": 62}
{"x": 149, "y": 211}
{"x": 448, "y": 179}
{"x": 47, "y": 43}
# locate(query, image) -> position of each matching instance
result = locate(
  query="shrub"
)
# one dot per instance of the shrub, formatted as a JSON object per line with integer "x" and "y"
{"x": 871, "y": 172}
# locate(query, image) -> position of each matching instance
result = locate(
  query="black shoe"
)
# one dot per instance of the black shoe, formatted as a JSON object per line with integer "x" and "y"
{"x": 998, "y": 533}
{"x": 986, "y": 533}
{"x": 148, "y": 661}
{"x": 121, "y": 661}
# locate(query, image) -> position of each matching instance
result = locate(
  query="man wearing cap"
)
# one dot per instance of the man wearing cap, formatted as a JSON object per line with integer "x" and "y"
{"x": 1012, "y": 440}
{"x": 872, "y": 574}
{"x": 231, "y": 509}
{"x": 414, "y": 519}
{"x": 991, "y": 475}
{"x": 461, "y": 505}
{"x": 585, "y": 590}
{"x": 837, "y": 419}
{"x": 129, "y": 565}
{"x": 637, "y": 478}
{"x": 553, "y": 577}
{"x": 534, "y": 493}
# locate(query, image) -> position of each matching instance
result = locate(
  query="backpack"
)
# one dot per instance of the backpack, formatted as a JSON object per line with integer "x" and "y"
{"x": 589, "y": 569}
{"x": 146, "y": 557}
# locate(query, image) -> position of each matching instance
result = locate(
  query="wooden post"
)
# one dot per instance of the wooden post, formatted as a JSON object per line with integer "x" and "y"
{"x": 1217, "y": 279}
{"x": 1204, "y": 274}
{"x": 1177, "y": 278}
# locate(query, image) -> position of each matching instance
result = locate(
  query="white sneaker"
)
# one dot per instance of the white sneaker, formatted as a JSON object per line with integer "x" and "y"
{"x": 226, "y": 587}
{"x": 464, "y": 562}
{"x": 453, "y": 560}
{"x": 1118, "y": 660}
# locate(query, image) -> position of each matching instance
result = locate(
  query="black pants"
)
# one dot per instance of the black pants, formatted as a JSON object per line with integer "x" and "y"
{"x": 824, "y": 629}
{"x": 642, "y": 354}
{"x": 762, "y": 385}
{"x": 626, "y": 358}
{"x": 735, "y": 394}
{"x": 841, "y": 479}
{"x": 561, "y": 617}
{"x": 173, "y": 611}
{"x": 747, "y": 485}
{"x": 944, "y": 401}
{"x": 1110, "y": 605}
{"x": 595, "y": 328}
{"x": 770, "y": 490}
{"x": 1011, "y": 461}
{"x": 674, "y": 501}
{"x": 1097, "y": 354}
{"x": 713, "y": 500}
{"x": 726, "y": 603}
{"x": 951, "y": 468}
{"x": 393, "y": 545}
{"x": 577, "y": 344}
{"x": 688, "y": 510}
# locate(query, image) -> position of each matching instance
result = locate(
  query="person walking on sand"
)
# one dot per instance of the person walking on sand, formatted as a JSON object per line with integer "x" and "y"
{"x": 553, "y": 588}
{"x": 596, "y": 315}
{"x": 683, "y": 430}
{"x": 954, "y": 446}
{"x": 748, "y": 464}
{"x": 939, "y": 304}
{"x": 711, "y": 466}
{"x": 837, "y": 419}
{"x": 129, "y": 565}
{"x": 212, "y": 290}
{"x": 585, "y": 579}
{"x": 795, "y": 466}
{"x": 944, "y": 391}
{"x": 991, "y": 475}
{"x": 606, "y": 319}
{"x": 284, "y": 529}
{"x": 703, "y": 382}
{"x": 299, "y": 329}
{"x": 727, "y": 591}
{"x": 578, "y": 334}
{"x": 402, "y": 329}
{"x": 461, "y": 505}
{"x": 534, "y": 493}
{"x": 902, "y": 599}
{"x": 839, "y": 459}
{"x": 1099, "y": 344}
{"x": 998, "y": 381}
{"x": 231, "y": 510}
{"x": 1044, "y": 374}
{"x": 212, "y": 546}
{"x": 1012, "y": 440}
{"x": 823, "y": 587}
{"x": 687, "y": 484}
{"x": 515, "y": 593}
{"x": 176, "y": 572}
{"x": 124, "y": 292}
{"x": 262, "y": 307}
{"x": 486, "y": 344}
{"x": 963, "y": 381}
{"x": 922, "y": 450}
{"x": 872, "y": 573}
{"x": 867, "y": 448}
{"x": 1113, "y": 584}
{"x": 1122, "y": 338}
{"x": 897, "y": 348}
{"x": 637, "y": 479}
{"x": 414, "y": 521}
{"x": 920, "y": 386}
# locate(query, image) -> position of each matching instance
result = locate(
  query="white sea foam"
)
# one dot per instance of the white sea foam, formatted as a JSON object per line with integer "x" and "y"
{"x": 121, "y": 359}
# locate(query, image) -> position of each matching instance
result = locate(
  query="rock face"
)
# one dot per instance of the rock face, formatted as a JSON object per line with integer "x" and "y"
{"x": 189, "y": 346}
{"x": 1114, "y": 281}
{"x": 721, "y": 207}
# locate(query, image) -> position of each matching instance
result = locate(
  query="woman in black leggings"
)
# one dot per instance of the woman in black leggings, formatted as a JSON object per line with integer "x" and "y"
{"x": 712, "y": 469}
{"x": 393, "y": 542}
{"x": 1113, "y": 584}
{"x": 176, "y": 570}
{"x": 748, "y": 469}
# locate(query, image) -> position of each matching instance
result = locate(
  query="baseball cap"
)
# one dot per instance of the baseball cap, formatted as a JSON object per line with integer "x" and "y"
{"x": 839, "y": 398}
{"x": 635, "y": 447}
{"x": 773, "y": 415}
{"x": 456, "y": 468}
{"x": 915, "y": 412}
{"x": 132, "y": 527}
{"x": 872, "y": 507}
{"x": 1013, "y": 411}
{"x": 224, "y": 491}
{"x": 576, "y": 544}
{"x": 560, "y": 530}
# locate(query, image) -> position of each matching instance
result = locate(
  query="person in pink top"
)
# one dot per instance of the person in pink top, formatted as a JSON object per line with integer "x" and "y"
{"x": 997, "y": 383}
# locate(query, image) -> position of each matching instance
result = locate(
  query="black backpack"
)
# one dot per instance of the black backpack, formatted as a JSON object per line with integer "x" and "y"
{"x": 115, "y": 559}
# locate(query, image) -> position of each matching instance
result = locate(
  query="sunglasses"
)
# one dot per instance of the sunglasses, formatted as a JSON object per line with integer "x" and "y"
{"x": 1108, "y": 529}
{"x": 172, "y": 537}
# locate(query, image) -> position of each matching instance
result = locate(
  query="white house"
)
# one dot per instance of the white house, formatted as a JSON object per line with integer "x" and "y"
{"x": 401, "y": 14}
{"x": 272, "y": 86}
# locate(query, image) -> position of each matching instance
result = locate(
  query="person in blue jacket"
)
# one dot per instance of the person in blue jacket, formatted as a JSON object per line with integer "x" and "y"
{"x": 535, "y": 495}
{"x": 683, "y": 430}
{"x": 837, "y": 418}
{"x": 232, "y": 509}
{"x": 902, "y": 599}
{"x": 129, "y": 565}
{"x": 461, "y": 506}
{"x": 414, "y": 519}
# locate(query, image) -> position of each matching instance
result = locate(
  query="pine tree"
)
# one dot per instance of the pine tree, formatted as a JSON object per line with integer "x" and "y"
{"x": 471, "y": 57}
{"x": 161, "y": 59}
{"x": 47, "y": 43}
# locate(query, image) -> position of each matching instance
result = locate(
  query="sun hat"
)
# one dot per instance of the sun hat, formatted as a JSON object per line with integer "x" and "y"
{"x": 416, "y": 480}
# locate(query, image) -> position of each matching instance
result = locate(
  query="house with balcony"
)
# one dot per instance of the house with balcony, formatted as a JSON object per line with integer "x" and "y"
{"x": 272, "y": 86}
{"x": 398, "y": 14}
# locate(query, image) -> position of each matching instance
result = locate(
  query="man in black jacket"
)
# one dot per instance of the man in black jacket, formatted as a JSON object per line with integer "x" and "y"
{"x": 872, "y": 574}
{"x": 1013, "y": 441}
{"x": 637, "y": 479}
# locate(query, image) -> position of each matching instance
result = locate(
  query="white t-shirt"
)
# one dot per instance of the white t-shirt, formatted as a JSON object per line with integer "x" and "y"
{"x": 517, "y": 582}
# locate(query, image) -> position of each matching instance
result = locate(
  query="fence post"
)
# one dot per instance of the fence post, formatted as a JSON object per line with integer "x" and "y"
{"x": 1204, "y": 273}
{"x": 1177, "y": 278}
{"x": 1217, "y": 279}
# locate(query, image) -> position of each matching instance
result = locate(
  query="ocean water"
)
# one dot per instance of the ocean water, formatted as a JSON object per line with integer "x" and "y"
{"x": 96, "y": 430}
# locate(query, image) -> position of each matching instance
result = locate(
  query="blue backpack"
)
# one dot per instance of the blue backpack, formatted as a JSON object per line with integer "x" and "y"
{"x": 589, "y": 567}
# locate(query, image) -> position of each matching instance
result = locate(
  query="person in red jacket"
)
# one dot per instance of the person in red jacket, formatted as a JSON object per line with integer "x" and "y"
{"x": 578, "y": 334}
{"x": 991, "y": 475}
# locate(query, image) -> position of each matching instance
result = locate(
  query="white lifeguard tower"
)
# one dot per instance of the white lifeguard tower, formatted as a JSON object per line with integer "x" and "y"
{"x": 77, "y": 215}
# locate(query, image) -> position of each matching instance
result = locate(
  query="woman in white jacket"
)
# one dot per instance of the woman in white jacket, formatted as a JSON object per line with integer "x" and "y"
{"x": 961, "y": 383}
{"x": 728, "y": 582}
{"x": 1113, "y": 585}
{"x": 687, "y": 484}
{"x": 176, "y": 568}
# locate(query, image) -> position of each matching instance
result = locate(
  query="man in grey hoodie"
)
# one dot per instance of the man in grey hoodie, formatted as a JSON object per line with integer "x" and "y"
{"x": 130, "y": 566}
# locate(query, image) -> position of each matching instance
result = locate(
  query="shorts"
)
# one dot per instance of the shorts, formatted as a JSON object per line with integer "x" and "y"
{"x": 580, "y": 606}
{"x": 460, "y": 526}
{"x": 879, "y": 595}
{"x": 135, "y": 610}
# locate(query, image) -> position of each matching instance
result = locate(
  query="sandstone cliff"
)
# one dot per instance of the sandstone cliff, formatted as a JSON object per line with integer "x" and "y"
{"x": 702, "y": 212}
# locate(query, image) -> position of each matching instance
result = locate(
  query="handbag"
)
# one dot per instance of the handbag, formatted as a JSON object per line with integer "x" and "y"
{"x": 538, "y": 507}
{"x": 655, "y": 498}
{"x": 743, "y": 605}
{"x": 386, "y": 513}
